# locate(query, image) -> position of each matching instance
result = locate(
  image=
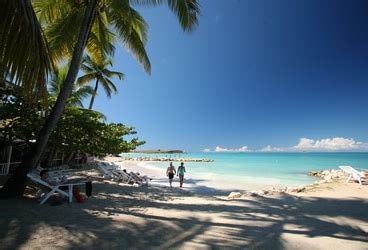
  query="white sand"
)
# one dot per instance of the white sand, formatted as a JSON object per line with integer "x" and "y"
{"x": 332, "y": 216}
{"x": 199, "y": 184}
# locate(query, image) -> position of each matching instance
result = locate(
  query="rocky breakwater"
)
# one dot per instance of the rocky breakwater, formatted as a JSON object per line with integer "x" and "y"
{"x": 328, "y": 175}
{"x": 168, "y": 159}
{"x": 325, "y": 176}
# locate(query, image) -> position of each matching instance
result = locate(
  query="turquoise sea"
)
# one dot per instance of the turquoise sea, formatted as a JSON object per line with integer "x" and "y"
{"x": 263, "y": 169}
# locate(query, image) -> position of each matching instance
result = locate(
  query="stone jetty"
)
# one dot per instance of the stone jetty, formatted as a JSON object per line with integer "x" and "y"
{"x": 174, "y": 159}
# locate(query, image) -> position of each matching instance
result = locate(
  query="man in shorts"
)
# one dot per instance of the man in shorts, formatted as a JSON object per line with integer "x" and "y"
{"x": 170, "y": 172}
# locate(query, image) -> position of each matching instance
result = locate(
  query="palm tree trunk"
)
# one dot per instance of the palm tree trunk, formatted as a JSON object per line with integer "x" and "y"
{"x": 15, "y": 186}
{"x": 93, "y": 96}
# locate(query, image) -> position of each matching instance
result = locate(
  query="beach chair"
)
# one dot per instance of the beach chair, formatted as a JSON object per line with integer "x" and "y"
{"x": 106, "y": 172}
{"x": 110, "y": 171}
{"x": 353, "y": 174}
{"x": 142, "y": 180}
{"x": 53, "y": 188}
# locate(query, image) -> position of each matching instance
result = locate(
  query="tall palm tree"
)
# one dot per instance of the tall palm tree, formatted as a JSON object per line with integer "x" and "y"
{"x": 98, "y": 70}
{"x": 79, "y": 92}
{"x": 131, "y": 30}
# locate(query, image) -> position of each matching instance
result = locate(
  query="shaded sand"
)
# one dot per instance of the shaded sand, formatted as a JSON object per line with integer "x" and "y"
{"x": 332, "y": 216}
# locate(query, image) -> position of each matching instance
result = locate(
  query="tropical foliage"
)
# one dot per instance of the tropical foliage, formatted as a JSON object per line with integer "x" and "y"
{"x": 62, "y": 20}
{"x": 71, "y": 28}
{"x": 79, "y": 129}
{"x": 83, "y": 130}
{"x": 20, "y": 119}
{"x": 98, "y": 71}
{"x": 24, "y": 54}
{"x": 79, "y": 92}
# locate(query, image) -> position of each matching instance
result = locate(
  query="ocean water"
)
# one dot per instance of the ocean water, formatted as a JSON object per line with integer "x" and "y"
{"x": 234, "y": 170}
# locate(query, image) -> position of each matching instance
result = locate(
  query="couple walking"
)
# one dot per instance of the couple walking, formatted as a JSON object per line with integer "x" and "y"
{"x": 171, "y": 171}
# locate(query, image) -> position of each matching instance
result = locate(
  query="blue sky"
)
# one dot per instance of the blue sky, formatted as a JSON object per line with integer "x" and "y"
{"x": 254, "y": 73}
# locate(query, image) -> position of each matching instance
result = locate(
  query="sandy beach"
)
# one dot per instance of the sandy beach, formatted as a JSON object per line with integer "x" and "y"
{"x": 120, "y": 216}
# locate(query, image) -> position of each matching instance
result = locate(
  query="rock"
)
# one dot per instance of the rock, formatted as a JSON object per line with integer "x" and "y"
{"x": 295, "y": 189}
{"x": 234, "y": 195}
{"x": 291, "y": 189}
{"x": 253, "y": 194}
{"x": 327, "y": 177}
{"x": 265, "y": 192}
{"x": 313, "y": 173}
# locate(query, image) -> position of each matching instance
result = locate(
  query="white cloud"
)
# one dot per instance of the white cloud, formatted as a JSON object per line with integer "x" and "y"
{"x": 306, "y": 144}
{"x": 220, "y": 149}
{"x": 243, "y": 149}
{"x": 269, "y": 148}
{"x": 330, "y": 144}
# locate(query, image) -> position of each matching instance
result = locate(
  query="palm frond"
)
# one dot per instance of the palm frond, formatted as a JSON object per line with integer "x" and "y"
{"x": 103, "y": 38}
{"x": 108, "y": 86}
{"x": 50, "y": 10}
{"x": 131, "y": 29}
{"x": 81, "y": 93}
{"x": 187, "y": 11}
{"x": 85, "y": 79}
{"x": 24, "y": 55}
{"x": 62, "y": 34}
{"x": 111, "y": 74}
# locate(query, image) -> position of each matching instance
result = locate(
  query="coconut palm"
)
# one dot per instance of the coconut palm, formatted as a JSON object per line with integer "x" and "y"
{"x": 79, "y": 92}
{"x": 117, "y": 16}
{"x": 24, "y": 55}
{"x": 97, "y": 70}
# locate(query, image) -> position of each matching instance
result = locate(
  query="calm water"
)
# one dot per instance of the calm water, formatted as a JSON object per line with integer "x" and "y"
{"x": 274, "y": 169}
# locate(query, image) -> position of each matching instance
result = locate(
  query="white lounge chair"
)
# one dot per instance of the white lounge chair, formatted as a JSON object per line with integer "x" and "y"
{"x": 106, "y": 172}
{"x": 54, "y": 188}
{"x": 110, "y": 171}
{"x": 142, "y": 180}
{"x": 353, "y": 174}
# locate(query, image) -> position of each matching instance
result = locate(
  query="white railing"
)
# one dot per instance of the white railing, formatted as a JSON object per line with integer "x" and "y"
{"x": 5, "y": 167}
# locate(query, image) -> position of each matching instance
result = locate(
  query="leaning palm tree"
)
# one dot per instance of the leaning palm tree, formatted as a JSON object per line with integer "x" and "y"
{"x": 97, "y": 70}
{"x": 121, "y": 18}
{"x": 79, "y": 93}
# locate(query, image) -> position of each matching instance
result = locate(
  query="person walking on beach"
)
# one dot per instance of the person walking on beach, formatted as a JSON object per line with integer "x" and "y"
{"x": 181, "y": 171}
{"x": 171, "y": 171}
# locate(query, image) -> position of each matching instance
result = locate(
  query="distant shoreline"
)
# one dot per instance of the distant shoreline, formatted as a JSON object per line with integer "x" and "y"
{"x": 159, "y": 151}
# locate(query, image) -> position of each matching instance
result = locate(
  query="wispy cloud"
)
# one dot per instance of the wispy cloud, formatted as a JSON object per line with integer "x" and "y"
{"x": 335, "y": 144}
{"x": 269, "y": 148}
{"x": 221, "y": 149}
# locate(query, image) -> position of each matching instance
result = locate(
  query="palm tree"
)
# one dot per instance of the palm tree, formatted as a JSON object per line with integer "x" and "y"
{"x": 131, "y": 30}
{"x": 79, "y": 92}
{"x": 98, "y": 71}
{"x": 24, "y": 55}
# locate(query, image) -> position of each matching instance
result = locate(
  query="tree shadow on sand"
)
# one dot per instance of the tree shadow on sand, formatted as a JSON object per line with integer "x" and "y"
{"x": 120, "y": 217}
